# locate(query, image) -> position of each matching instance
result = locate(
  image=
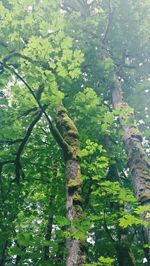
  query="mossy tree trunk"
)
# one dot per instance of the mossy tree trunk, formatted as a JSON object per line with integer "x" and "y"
{"x": 73, "y": 183}
{"x": 137, "y": 159}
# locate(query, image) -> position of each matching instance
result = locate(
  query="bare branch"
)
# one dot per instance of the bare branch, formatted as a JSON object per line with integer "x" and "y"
{"x": 18, "y": 167}
{"x": 110, "y": 18}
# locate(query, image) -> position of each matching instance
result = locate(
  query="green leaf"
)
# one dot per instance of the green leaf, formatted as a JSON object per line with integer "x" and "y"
{"x": 24, "y": 239}
{"x": 62, "y": 221}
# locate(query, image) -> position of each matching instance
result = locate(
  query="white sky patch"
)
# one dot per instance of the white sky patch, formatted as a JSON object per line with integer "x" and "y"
{"x": 50, "y": 31}
{"x": 146, "y": 91}
{"x": 90, "y": 236}
{"x": 141, "y": 122}
{"x": 55, "y": 228}
{"x": 29, "y": 9}
{"x": 7, "y": 90}
{"x": 144, "y": 260}
{"x": 89, "y": 1}
{"x": 91, "y": 240}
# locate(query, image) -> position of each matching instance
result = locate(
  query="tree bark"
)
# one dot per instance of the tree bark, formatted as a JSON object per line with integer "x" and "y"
{"x": 48, "y": 234}
{"x": 3, "y": 254}
{"x": 137, "y": 160}
{"x": 124, "y": 252}
{"x": 46, "y": 248}
{"x": 73, "y": 183}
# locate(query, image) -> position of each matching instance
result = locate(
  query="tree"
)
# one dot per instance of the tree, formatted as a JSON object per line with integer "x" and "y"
{"x": 64, "y": 177}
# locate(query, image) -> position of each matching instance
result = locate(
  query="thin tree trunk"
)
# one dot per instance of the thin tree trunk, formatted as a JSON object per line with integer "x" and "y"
{"x": 48, "y": 234}
{"x": 73, "y": 184}
{"x": 3, "y": 254}
{"x": 137, "y": 159}
{"x": 124, "y": 252}
{"x": 125, "y": 255}
{"x": 46, "y": 248}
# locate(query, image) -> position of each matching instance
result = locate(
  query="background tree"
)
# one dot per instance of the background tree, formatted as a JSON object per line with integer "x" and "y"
{"x": 57, "y": 65}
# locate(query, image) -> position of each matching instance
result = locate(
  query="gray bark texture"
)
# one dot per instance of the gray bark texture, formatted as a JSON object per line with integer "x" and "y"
{"x": 137, "y": 160}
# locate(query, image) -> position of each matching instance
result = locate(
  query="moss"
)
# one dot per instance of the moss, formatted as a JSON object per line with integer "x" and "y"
{"x": 61, "y": 110}
{"x": 134, "y": 131}
{"x": 71, "y": 141}
{"x": 78, "y": 212}
{"x": 74, "y": 183}
{"x": 123, "y": 105}
{"x": 72, "y": 133}
{"x": 69, "y": 133}
{"x": 77, "y": 197}
{"x": 69, "y": 123}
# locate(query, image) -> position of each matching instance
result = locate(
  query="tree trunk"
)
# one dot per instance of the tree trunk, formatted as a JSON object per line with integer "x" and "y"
{"x": 125, "y": 255}
{"x": 124, "y": 252}
{"x": 49, "y": 230}
{"x": 3, "y": 254}
{"x": 137, "y": 159}
{"x": 73, "y": 183}
{"x": 48, "y": 234}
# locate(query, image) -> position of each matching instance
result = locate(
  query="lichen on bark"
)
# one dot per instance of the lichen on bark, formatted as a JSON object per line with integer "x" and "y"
{"x": 138, "y": 162}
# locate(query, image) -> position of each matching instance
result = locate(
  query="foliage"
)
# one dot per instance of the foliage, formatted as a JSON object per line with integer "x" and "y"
{"x": 67, "y": 52}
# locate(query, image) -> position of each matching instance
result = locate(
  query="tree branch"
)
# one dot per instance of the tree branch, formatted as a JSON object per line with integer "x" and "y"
{"x": 18, "y": 169}
{"x": 107, "y": 230}
{"x": 55, "y": 132}
{"x": 110, "y": 18}
{"x": 29, "y": 59}
{"x": 10, "y": 142}
{"x": 6, "y": 162}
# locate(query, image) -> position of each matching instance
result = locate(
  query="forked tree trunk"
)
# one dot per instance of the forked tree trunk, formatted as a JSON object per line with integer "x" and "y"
{"x": 137, "y": 159}
{"x": 73, "y": 183}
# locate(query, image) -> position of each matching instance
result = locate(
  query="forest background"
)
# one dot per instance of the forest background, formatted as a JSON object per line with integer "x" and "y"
{"x": 74, "y": 132}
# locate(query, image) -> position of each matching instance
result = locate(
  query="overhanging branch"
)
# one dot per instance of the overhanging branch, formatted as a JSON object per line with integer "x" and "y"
{"x": 55, "y": 132}
{"x": 18, "y": 167}
{"x": 44, "y": 65}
